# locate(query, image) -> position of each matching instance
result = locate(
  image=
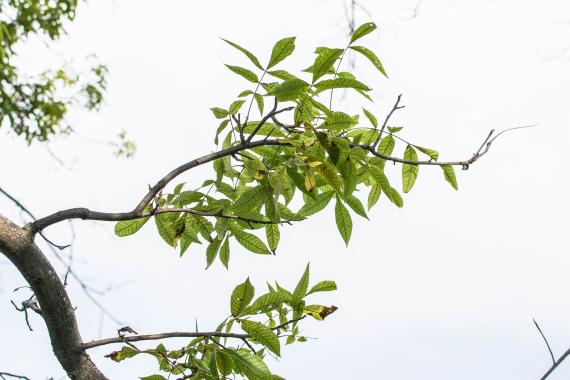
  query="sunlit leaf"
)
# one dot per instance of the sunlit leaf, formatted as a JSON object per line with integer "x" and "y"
{"x": 241, "y": 297}
{"x": 449, "y": 174}
{"x": 409, "y": 172}
{"x": 323, "y": 286}
{"x": 251, "y": 57}
{"x": 263, "y": 335}
{"x": 281, "y": 50}
{"x": 343, "y": 221}
{"x": 324, "y": 62}
{"x": 250, "y": 242}
{"x": 371, "y": 57}
{"x": 245, "y": 73}
{"x": 362, "y": 30}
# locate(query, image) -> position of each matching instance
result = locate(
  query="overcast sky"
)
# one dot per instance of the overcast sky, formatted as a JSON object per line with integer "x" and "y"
{"x": 445, "y": 288}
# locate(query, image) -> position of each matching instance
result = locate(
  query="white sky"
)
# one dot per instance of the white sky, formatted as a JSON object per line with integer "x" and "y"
{"x": 445, "y": 288}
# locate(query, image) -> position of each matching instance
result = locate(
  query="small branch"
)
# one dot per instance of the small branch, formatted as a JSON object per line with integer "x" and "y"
{"x": 214, "y": 214}
{"x": 2, "y": 374}
{"x": 545, "y": 341}
{"x": 483, "y": 149}
{"x": 271, "y": 114}
{"x": 394, "y": 108}
{"x": 289, "y": 322}
{"x": 138, "y": 338}
{"x": 25, "y": 210}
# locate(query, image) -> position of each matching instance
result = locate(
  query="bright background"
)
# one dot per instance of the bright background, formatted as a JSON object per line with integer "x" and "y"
{"x": 445, "y": 288}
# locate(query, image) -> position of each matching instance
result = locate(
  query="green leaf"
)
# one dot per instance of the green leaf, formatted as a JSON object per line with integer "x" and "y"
{"x": 395, "y": 129}
{"x": 235, "y": 106}
{"x": 263, "y": 335}
{"x": 329, "y": 173}
{"x": 166, "y": 228}
{"x": 324, "y": 62}
{"x": 362, "y": 30}
{"x": 272, "y": 233}
{"x": 371, "y": 57}
{"x": 225, "y": 253}
{"x": 288, "y": 88}
{"x": 386, "y": 146}
{"x": 245, "y": 73}
{"x": 449, "y": 174}
{"x": 343, "y": 221}
{"x": 129, "y": 227}
{"x": 282, "y": 74}
{"x": 224, "y": 363}
{"x": 251, "y": 57}
{"x": 250, "y": 241}
{"x": 320, "y": 202}
{"x": 301, "y": 289}
{"x": 266, "y": 300}
{"x": 371, "y": 117}
{"x": 219, "y": 113}
{"x": 409, "y": 172}
{"x": 374, "y": 195}
{"x": 241, "y": 297}
{"x": 153, "y": 377}
{"x": 250, "y": 199}
{"x": 323, "y": 286}
{"x": 212, "y": 252}
{"x": 356, "y": 206}
{"x": 250, "y": 364}
{"x": 433, "y": 154}
{"x": 259, "y": 101}
{"x": 340, "y": 83}
{"x": 281, "y": 50}
{"x": 339, "y": 120}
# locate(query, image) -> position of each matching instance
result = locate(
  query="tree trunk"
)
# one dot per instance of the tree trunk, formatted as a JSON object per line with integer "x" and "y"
{"x": 17, "y": 244}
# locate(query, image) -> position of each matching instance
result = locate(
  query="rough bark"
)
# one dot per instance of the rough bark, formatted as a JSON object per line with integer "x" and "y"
{"x": 17, "y": 244}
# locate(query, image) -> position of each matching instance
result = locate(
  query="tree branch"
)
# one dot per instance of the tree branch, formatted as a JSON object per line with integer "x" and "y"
{"x": 394, "y": 108}
{"x": 138, "y": 211}
{"x": 18, "y": 246}
{"x": 272, "y": 113}
{"x": 3, "y": 374}
{"x": 483, "y": 149}
{"x": 138, "y": 338}
{"x": 556, "y": 364}
{"x": 84, "y": 213}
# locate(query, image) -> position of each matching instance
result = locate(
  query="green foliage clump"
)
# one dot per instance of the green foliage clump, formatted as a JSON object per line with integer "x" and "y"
{"x": 35, "y": 106}
{"x": 269, "y": 172}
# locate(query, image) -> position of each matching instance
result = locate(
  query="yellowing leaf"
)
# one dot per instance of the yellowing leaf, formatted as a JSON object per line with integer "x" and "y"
{"x": 409, "y": 172}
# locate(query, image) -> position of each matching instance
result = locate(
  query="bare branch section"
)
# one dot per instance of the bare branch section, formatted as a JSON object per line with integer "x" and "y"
{"x": 138, "y": 338}
{"x": 6, "y": 375}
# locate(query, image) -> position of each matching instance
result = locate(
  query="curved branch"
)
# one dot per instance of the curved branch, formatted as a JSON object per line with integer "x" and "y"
{"x": 17, "y": 245}
{"x": 137, "y": 212}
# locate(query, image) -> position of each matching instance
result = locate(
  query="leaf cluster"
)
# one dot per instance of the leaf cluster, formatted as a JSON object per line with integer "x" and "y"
{"x": 263, "y": 324}
{"x": 35, "y": 106}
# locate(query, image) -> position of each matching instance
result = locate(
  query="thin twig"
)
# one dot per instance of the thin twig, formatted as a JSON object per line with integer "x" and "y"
{"x": 545, "y": 341}
{"x": 394, "y": 108}
{"x": 2, "y": 374}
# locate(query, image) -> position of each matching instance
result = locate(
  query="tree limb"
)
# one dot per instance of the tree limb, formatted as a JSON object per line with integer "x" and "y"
{"x": 17, "y": 245}
{"x": 138, "y": 338}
